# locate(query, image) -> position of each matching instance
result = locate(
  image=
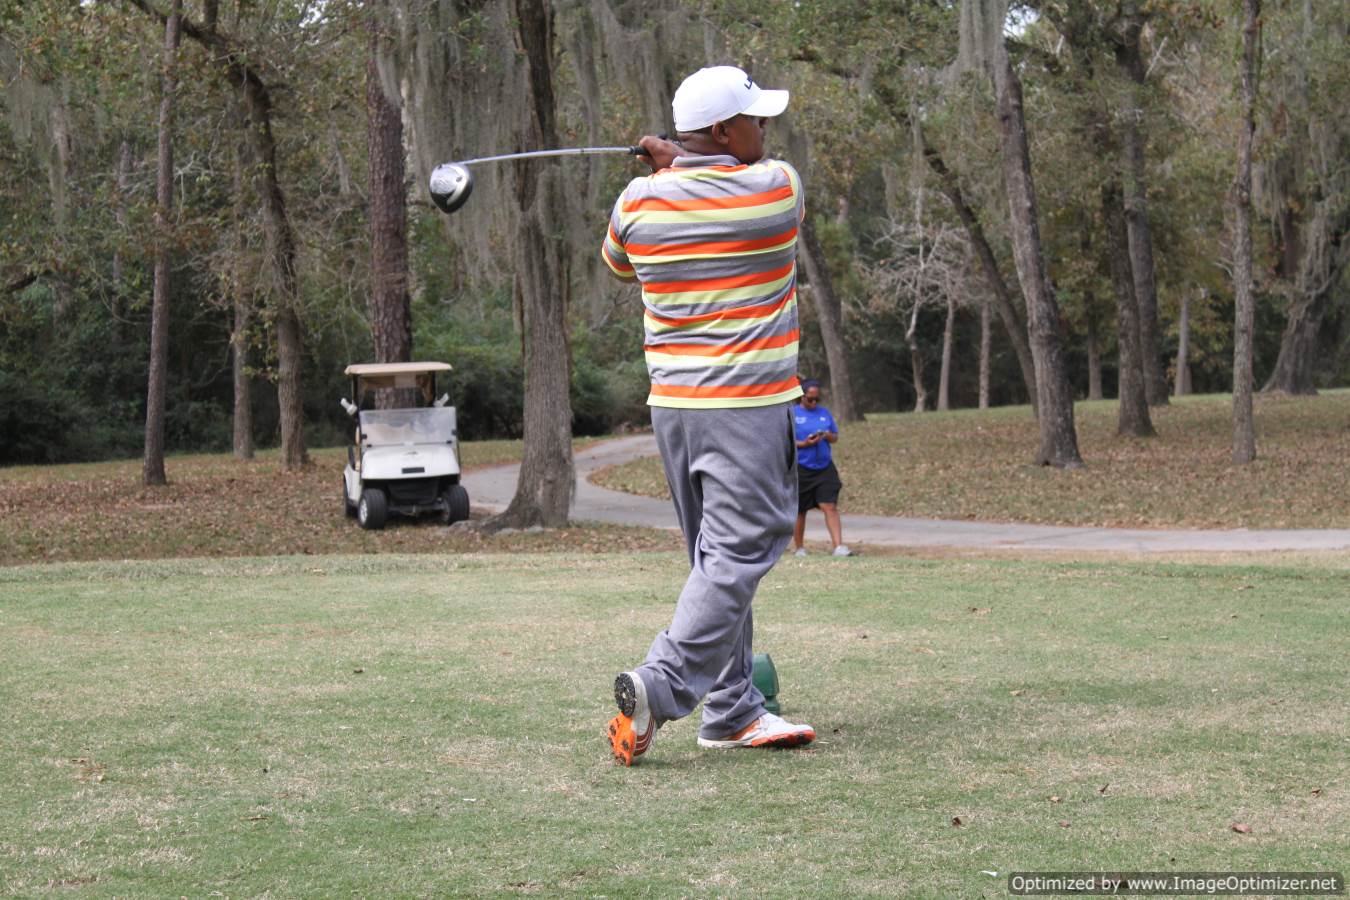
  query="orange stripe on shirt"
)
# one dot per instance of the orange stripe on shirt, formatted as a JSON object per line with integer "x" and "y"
{"x": 614, "y": 263}
{"x": 740, "y": 312}
{"x": 665, "y": 204}
{"x": 767, "y": 343}
{"x": 725, "y": 391}
{"x": 718, "y": 284}
{"x": 711, "y": 247}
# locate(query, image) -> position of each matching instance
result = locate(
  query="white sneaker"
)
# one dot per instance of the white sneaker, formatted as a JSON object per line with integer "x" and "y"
{"x": 766, "y": 731}
{"x": 842, "y": 550}
{"x": 801, "y": 551}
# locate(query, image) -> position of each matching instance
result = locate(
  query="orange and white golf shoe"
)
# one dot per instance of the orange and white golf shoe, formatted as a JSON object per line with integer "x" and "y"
{"x": 630, "y": 732}
{"x": 766, "y": 731}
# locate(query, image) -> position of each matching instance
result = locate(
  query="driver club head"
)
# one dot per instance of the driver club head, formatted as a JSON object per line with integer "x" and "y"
{"x": 451, "y": 184}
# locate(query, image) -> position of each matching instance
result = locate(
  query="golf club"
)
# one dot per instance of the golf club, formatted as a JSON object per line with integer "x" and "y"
{"x": 452, "y": 182}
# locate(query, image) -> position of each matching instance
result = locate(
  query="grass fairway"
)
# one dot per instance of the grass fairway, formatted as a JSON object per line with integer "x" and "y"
{"x": 431, "y": 725}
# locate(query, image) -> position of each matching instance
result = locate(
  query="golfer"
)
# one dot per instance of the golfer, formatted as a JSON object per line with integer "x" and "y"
{"x": 711, "y": 235}
{"x": 818, "y": 483}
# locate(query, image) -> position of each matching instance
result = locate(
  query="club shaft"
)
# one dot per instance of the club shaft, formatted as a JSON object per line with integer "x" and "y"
{"x": 573, "y": 151}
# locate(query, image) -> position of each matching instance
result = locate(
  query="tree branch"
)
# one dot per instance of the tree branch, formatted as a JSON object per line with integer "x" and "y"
{"x": 222, "y": 44}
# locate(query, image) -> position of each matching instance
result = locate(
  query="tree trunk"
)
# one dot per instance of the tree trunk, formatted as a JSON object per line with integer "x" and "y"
{"x": 1094, "y": 349}
{"x": 1293, "y": 373}
{"x": 1136, "y": 216}
{"x": 830, "y": 313}
{"x": 277, "y": 228}
{"x": 1058, "y": 436}
{"x": 124, "y": 160}
{"x": 547, "y": 477}
{"x": 281, "y": 251}
{"x": 1007, "y": 312}
{"x": 243, "y": 386}
{"x": 58, "y": 170}
{"x": 945, "y": 377}
{"x": 1183, "y": 382}
{"x": 152, "y": 471}
{"x": 240, "y": 290}
{"x": 1313, "y": 224}
{"x": 1133, "y": 419}
{"x": 1244, "y": 431}
{"x": 290, "y": 353}
{"x": 1323, "y": 259}
{"x": 916, "y": 358}
{"x": 984, "y": 352}
{"x": 390, "y": 311}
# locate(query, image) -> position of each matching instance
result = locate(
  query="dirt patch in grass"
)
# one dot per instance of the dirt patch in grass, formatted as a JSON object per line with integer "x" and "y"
{"x": 976, "y": 465}
{"x": 216, "y": 506}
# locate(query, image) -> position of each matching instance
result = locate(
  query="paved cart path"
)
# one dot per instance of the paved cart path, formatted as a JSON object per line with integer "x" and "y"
{"x": 492, "y": 489}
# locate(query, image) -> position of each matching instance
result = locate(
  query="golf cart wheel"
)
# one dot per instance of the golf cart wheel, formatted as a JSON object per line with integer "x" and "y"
{"x": 371, "y": 511}
{"x": 348, "y": 508}
{"x": 456, "y": 504}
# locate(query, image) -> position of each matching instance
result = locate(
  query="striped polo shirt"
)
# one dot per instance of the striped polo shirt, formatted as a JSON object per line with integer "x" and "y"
{"x": 714, "y": 244}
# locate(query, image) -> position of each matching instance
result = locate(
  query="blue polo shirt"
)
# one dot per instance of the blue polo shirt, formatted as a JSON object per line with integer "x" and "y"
{"x": 807, "y": 422}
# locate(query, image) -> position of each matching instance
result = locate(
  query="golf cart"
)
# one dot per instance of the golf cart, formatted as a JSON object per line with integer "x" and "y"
{"x": 403, "y": 460}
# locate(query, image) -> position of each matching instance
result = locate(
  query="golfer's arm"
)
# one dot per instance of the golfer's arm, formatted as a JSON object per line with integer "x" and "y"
{"x": 616, "y": 261}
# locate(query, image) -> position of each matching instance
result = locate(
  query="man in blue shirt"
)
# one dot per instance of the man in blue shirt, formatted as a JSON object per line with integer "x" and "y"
{"x": 818, "y": 483}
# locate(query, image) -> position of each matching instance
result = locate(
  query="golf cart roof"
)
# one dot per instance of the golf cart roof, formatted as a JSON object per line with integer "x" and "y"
{"x": 376, "y": 370}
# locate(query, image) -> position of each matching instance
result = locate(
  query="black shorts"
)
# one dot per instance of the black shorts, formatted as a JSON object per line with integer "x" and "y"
{"x": 817, "y": 486}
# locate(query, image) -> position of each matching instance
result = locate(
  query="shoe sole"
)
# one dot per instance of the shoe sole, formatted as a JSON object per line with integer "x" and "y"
{"x": 624, "y": 741}
{"x": 782, "y": 741}
{"x": 625, "y": 694}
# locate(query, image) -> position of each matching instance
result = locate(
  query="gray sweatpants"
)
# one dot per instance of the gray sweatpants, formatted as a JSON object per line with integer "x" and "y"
{"x": 732, "y": 474}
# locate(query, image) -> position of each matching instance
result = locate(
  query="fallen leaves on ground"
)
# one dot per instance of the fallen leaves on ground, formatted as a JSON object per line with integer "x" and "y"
{"x": 87, "y": 770}
{"x": 977, "y": 465}
{"x": 215, "y": 506}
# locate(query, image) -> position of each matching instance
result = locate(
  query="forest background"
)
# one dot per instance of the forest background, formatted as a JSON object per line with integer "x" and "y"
{"x": 299, "y": 236}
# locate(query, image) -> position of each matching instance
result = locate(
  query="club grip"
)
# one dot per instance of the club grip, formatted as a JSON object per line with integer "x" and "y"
{"x": 638, "y": 151}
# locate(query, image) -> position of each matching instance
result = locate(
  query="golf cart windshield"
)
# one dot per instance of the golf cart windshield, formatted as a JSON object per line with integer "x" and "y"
{"x": 383, "y": 427}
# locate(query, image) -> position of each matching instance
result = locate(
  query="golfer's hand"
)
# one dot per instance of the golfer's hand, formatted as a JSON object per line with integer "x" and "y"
{"x": 660, "y": 152}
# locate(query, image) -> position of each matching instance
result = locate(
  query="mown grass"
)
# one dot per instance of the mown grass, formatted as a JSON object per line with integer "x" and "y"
{"x": 970, "y": 464}
{"x": 430, "y": 726}
{"x": 215, "y": 506}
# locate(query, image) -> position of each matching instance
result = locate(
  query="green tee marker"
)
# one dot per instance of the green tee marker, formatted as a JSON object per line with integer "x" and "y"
{"x": 765, "y": 677}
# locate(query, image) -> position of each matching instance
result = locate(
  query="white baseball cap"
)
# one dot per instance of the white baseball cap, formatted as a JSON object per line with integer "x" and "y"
{"x": 718, "y": 93}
